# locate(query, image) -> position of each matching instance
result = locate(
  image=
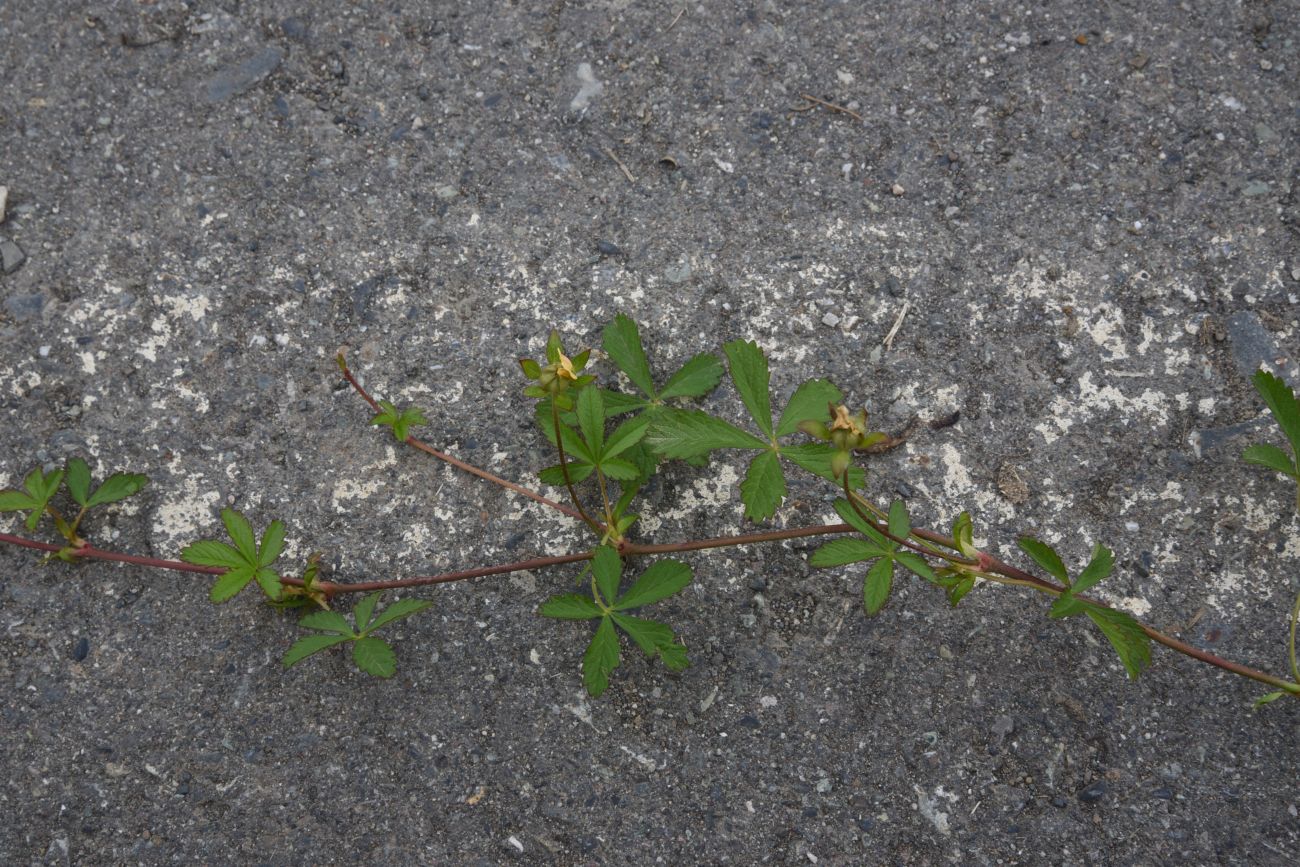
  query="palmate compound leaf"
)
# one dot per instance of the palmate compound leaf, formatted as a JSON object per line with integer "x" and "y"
{"x": 38, "y": 488}
{"x": 661, "y": 580}
{"x": 400, "y": 421}
{"x": 244, "y": 562}
{"x": 372, "y": 655}
{"x": 1124, "y": 633}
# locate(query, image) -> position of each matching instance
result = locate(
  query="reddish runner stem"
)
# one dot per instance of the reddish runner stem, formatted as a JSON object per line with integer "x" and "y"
{"x": 454, "y": 461}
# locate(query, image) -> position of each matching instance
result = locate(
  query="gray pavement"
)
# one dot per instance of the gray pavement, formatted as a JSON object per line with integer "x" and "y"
{"x": 1081, "y": 216}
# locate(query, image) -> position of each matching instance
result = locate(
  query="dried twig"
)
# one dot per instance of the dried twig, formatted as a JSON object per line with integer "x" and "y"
{"x": 832, "y": 106}
{"x": 618, "y": 162}
{"x": 898, "y": 323}
{"x": 680, "y": 13}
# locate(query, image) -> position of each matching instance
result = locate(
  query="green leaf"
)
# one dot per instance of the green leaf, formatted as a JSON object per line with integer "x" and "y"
{"x": 900, "y": 526}
{"x": 808, "y": 402}
{"x": 626, "y": 435}
{"x": 39, "y": 489}
{"x": 374, "y": 656}
{"x": 1269, "y": 456}
{"x": 574, "y": 447}
{"x": 78, "y": 477}
{"x": 272, "y": 543}
{"x": 963, "y": 533}
{"x": 622, "y": 343}
{"x": 364, "y": 611}
{"x": 608, "y": 568}
{"x": 601, "y": 658}
{"x": 750, "y": 374}
{"x": 1065, "y": 606}
{"x": 816, "y": 459}
{"x": 1124, "y": 634}
{"x": 16, "y": 501}
{"x": 696, "y": 378}
{"x": 663, "y": 579}
{"x": 841, "y": 552}
{"x": 916, "y": 564}
{"x": 531, "y": 368}
{"x": 649, "y": 635}
{"x": 554, "y": 475}
{"x": 242, "y": 535}
{"x": 327, "y": 621}
{"x": 690, "y": 434}
{"x": 764, "y": 486}
{"x": 591, "y": 420}
{"x": 1283, "y": 404}
{"x": 617, "y": 403}
{"x": 1099, "y": 566}
{"x": 400, "y": 609}
{"x": 654, "y": 639}
{"x": 117, "y": 487}
{"x": 230, "y": 583}
{"x": 1268, "y": 698}
{"x": 1045, "y": 556}
{"x": 209, "y": 553}
{"x": 619, "y": 469}
{"x": 269, "y": 582}
{"x": 851, "y": 517}
{"x": 958, "y": 586}
{"x": 570, "y": 606}
{"x": 876, "y": 586}
{"x": 309, "y": 644}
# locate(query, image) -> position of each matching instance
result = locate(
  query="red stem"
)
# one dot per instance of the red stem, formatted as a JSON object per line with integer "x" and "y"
{"x": 456, "y": 462}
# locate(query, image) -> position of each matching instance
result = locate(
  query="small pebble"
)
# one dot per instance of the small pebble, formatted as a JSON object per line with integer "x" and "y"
{"x": 4, "y": 201}
{"x": 831, "y": 319}
{"x": 1094, "y": 792}
{"x": 82, "y": 649}
{"x": 11, "y": 256}
{"x": 606, "y": 248}
{"x": 897, "y": 189}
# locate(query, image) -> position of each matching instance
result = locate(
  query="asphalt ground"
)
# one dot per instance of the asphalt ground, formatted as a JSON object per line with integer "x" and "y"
{"x": 1081, "y": 217}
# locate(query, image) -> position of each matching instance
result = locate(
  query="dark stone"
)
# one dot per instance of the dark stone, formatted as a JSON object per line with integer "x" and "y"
{"x": 1251, "y": 342}
{"x": 866, "y": 824}
{"x": 758, "y": 583}
{"x": 491, "y": 101}
{"x": 1093, "y": 792}
{"x": 234, "y": 80}
{"x": 892, "y": 286}
{"x": 749, "y": 721}
{"x": 24, "y": 307}
{"x": 12, "y": 256}
{"x": 82, "y": 649}
{"x": 1060, "y": 802}
{"x": 605, "y": 248}
{"x": 294, "y": 28}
